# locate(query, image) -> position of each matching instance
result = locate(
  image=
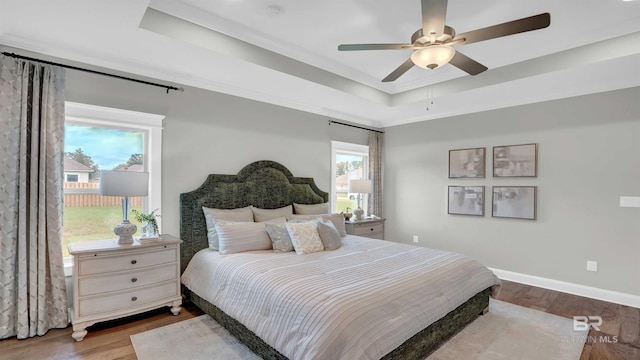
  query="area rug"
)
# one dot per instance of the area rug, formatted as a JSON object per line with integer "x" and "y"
{"x": 510, "y": 331}
{"x": 507, "y": 332}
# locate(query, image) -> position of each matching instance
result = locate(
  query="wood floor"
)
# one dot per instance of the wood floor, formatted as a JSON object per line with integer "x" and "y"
{"x": 111, "y": 340}
{"x": 619, "y": 323}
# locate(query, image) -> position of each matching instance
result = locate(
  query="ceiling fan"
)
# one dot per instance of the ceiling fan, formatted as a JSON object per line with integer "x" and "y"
{"x": 432, "y": 45}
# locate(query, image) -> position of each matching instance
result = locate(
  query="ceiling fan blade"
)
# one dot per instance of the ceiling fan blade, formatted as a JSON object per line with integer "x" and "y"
{"x": 399, "y": 71}
{"x": 434, "y": 13}
{"x": 535, "y": 22}
{"x": 467, "y": 64}
{"x": 355, "y": 47}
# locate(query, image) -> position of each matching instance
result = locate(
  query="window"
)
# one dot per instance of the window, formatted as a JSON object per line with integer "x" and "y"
{"x": 348, "y": 162}
{"x": 98, "y": 138}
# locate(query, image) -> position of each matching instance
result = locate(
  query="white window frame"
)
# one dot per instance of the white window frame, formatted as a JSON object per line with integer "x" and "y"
{"x": 344, "y": 148}
{"x": 151, "y": 124}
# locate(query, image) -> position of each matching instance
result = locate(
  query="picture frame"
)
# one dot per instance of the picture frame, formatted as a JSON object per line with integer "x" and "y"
{"x": 467, "y": 163}
{"x": 465, "y": 200}
{"x": 515, "y": 160}
{"x": 516, "y": 202}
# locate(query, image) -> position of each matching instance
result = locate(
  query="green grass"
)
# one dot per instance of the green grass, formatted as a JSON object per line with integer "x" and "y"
{"x": 91, "y": 223}
{"x": 343, "y": 203}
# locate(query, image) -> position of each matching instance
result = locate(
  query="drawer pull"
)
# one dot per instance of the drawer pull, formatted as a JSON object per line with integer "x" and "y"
{"x": 134, "y": 298}
{"x": 371, "y": 229}
{"x": 134, "y": 279}
{"x": 133, "y": 262}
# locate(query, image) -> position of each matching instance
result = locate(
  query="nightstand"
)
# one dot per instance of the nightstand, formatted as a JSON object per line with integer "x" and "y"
{"x": 372, "y": 228}
{"x": 111, "y": 280}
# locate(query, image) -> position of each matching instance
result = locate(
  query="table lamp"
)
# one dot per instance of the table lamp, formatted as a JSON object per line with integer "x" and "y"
{"x": 360, "y": 187}
{"x": 125, "y": 184}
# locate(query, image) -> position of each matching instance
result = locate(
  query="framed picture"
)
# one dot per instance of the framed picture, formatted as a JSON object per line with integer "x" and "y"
{"x": 467, "y": 163}
{"x": 517, "y": 202}
{"x": 466, "y": 200}
{"x": 515, "y": 160}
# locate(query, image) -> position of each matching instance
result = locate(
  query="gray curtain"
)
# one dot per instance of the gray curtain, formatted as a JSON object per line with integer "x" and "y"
{"x": 33, "y": 297}
{"x": 375, "y": 173}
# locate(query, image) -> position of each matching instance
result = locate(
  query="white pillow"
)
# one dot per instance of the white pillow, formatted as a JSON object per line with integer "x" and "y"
{"x": 312, "y": 209}
{"x": 212, "y": 216}
{"x": 303, "y": 218}
{"x": 240, "y": 237}
{"x": 268, "y": 214}
{"x": 305, "y": 237}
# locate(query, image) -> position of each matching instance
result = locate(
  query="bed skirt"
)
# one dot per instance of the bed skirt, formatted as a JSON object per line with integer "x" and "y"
{"x": 417, "y": 347}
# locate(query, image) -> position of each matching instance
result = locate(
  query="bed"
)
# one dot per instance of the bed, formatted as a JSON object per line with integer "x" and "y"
{"x": 362, "y": 303}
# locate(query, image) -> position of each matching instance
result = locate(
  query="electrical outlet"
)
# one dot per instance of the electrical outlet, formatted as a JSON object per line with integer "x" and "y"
{"x": 415, "y": 239}
{"x": 629, "y": 201}
{"x": 592, "y": 266}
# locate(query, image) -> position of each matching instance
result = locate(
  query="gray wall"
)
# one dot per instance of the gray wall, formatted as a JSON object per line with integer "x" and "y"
{"x": 588, "y": 156}
{"x": 207, "y": 132}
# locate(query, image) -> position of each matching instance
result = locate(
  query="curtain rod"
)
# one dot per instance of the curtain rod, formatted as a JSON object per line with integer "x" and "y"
{"x": 168, "y": 87}
{"x": 354, "y": 126}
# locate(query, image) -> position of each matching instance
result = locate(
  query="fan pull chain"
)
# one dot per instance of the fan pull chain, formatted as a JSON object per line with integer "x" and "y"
{"x": 429, "y": 96}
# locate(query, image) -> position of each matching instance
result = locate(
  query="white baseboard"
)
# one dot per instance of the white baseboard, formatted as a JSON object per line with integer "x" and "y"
{"x": 570, "y": 288}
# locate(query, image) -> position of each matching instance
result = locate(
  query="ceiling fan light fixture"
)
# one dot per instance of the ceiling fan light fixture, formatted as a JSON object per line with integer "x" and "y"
{"x": 433, "y": 56}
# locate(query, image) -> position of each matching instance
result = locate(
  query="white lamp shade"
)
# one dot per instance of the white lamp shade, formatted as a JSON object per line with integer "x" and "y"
{"x": 360, "y": 186}
{"x": 432, "y": 56}
{"x": 124, "y": 183}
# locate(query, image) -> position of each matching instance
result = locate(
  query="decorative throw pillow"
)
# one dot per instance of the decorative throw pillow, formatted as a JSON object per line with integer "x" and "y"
{"x": 240, "y": 237}
{"x": 313, "y": 209}
{"x": 280, "y": 240}
{"x": 305, "y": 237}
{"x": 329, "y": 235}
{"x": 268, "y": 214}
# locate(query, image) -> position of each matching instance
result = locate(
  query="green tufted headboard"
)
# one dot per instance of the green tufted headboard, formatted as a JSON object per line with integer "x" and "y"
{"x": 264, "y": 184}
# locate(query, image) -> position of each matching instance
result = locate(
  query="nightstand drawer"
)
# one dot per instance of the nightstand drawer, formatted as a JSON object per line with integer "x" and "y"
{"x": 128, "y": 299}
{"x": 105, "y": 262}
{"x": 127, "y": 280}
{"x": 366, "y": 229}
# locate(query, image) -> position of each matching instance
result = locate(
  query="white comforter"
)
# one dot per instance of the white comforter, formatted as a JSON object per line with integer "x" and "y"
{"x": 358, "y": 302}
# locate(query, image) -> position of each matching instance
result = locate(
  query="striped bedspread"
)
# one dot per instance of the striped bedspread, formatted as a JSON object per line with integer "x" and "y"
{"x": 357, "y": 302}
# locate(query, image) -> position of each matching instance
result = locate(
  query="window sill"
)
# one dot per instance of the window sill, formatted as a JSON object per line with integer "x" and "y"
{"x": 68, "y": 266}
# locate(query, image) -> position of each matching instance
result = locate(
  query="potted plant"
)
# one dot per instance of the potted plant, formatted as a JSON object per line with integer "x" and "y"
{"x": 149, "y": 224}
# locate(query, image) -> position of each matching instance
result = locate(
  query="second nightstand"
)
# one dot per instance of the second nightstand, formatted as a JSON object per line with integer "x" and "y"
{"x": 372, "y": 228}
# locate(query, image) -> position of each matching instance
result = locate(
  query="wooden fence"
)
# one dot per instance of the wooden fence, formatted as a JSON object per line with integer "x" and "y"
{"x": 88, "y": 194}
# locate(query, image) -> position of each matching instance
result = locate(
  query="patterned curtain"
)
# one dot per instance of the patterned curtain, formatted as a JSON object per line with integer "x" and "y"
{"x": 375, "y": 173}
{"x": 33, "y": 297}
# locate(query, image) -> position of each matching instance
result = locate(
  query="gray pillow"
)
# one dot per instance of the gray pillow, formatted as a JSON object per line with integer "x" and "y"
{"x": 280, "y": 239}
{"x": 260, "y": 215}
{"x": 329, "y": 235}
{"x": 313, "y": 209}
{"x": 211, "y": 216}
{"x": 338, "y": 222}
